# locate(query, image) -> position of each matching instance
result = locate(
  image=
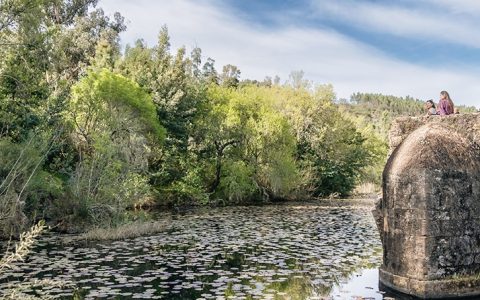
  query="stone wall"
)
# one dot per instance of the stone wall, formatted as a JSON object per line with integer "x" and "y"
{"x": 429, "y": 215}
{"x": 468, "y": 125}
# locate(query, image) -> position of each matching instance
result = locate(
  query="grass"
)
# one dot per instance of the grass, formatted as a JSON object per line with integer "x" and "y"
{"x": 367, "y": 188}
{"x": 122, "y": 232}
{"x": 461, "y": 277}
{"x": 23, "y": 247}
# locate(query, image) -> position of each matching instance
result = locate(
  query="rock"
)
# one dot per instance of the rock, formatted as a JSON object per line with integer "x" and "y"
{"x": 429, "y": 215}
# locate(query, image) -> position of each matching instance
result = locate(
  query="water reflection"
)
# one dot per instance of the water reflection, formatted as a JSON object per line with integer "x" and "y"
{"x": 364, "y": 285}
{"x": 297, "y": 251}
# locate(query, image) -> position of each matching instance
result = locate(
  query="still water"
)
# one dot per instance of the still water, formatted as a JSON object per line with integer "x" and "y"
{"x": 325, "y": 250}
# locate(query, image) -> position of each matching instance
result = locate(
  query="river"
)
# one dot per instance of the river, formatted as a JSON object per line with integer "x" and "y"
{"x": 310, "y": 250}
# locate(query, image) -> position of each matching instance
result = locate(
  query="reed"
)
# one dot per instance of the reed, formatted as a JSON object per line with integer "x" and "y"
{"x": 23, "y": 247}
{"x": 127, "y": 231}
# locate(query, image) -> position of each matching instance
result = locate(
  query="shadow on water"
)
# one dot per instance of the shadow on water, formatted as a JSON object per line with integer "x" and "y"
{"x": 293, "y": 251}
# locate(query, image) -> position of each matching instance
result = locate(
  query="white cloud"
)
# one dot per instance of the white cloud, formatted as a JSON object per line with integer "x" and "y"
{"x": 412, "y": 22}
{"x": 466, "y": 7}
{"x": 325, "y": 56}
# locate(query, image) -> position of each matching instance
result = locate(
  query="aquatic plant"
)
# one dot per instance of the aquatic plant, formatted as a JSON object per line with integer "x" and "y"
{"x": 296, "y": 250}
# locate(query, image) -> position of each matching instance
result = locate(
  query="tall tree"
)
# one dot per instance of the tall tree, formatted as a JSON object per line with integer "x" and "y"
{"x": 230, "y": 76}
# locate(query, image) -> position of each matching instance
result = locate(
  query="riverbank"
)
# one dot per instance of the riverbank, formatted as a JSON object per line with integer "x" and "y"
{"x": 147, "y": 227}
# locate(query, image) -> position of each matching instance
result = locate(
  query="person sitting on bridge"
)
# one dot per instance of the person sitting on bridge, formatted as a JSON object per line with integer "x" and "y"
{"x": 445, "y": 106}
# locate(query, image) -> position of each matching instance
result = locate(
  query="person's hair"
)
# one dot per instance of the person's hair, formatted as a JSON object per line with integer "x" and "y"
{"x": 431, "y": 102}
{"x": 445, "y": 93}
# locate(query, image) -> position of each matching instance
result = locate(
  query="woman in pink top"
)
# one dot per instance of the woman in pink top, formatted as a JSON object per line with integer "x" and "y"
{"x": 445, "y": 106}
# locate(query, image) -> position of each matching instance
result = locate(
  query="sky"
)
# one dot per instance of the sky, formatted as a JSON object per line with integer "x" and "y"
{"x": 404, "y": 48}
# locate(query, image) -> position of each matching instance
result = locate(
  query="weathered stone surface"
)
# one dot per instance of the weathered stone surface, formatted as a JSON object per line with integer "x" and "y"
{"x": 429, "y": 215}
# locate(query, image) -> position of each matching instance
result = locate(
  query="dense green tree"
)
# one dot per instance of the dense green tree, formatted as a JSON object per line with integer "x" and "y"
{"x": 46, "y": 45}
{"x": 250, "y": 146}
{"x": 115, "y": 128}
{"x": 177, "y": 85}
{"x": 106, "y": 103}
{"x": 330, "y": 150}
{"x": 169, "y": 81}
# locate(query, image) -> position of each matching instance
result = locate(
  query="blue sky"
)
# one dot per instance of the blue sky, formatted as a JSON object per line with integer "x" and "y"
{"x": 404, "y": 47}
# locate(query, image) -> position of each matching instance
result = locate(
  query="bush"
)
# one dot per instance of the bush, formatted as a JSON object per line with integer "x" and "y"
{"x": 237, "y": 183}
{"x": 21, "y": 180}
{"x": 103, "y": 186}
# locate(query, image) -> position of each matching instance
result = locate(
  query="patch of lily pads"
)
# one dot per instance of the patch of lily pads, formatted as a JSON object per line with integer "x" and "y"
{"x": 296, "y": 251}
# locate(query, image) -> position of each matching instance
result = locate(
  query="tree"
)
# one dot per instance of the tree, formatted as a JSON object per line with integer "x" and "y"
{"x": 330, "y": 150}
{"x": 230, "y": 76}
{"x": 115, "y": 128}
{"x": 196, "y": 59}
{"x": 209, "y": 73}
{"x": 107, "y": 104}
{"x": 47, "y": 45}
{"x": 249, "y": 145}
{"x": 178, "y": 95}
{"x": 297, "y": 81}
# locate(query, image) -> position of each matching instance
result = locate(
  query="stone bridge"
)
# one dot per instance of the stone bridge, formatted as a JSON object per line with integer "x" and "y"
{"x": 429, "y": 215}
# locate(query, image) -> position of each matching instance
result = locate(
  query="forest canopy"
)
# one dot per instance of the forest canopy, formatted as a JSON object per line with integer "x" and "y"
{"x": 88, "y": 130}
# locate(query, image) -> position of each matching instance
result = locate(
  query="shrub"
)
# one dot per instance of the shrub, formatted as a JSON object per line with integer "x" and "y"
{"x": 21, "y": 179}
{"x": 103, "y": 186}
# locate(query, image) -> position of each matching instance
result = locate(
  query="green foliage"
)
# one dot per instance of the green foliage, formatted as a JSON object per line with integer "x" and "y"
{"x": 189, "y": 190}
{"x": 103, "y": 186}
{"x": 105, "y": 101}
{"x": 330, "y": 150}
{"x": 44, "y": 189}
{"x": 115, "y": 125}
{"x": 163, "y": 124}
{"x": 373, "y": 115}
{"x": 23, "y": 184}
{"x": 46, "y": 45}
{"x": 177, "y": 86}
{"x": 238, "y": 182}
{"x": 375, "y": 144}
{"x": 243, "y": 129}
{"x": 166, "y": 77}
